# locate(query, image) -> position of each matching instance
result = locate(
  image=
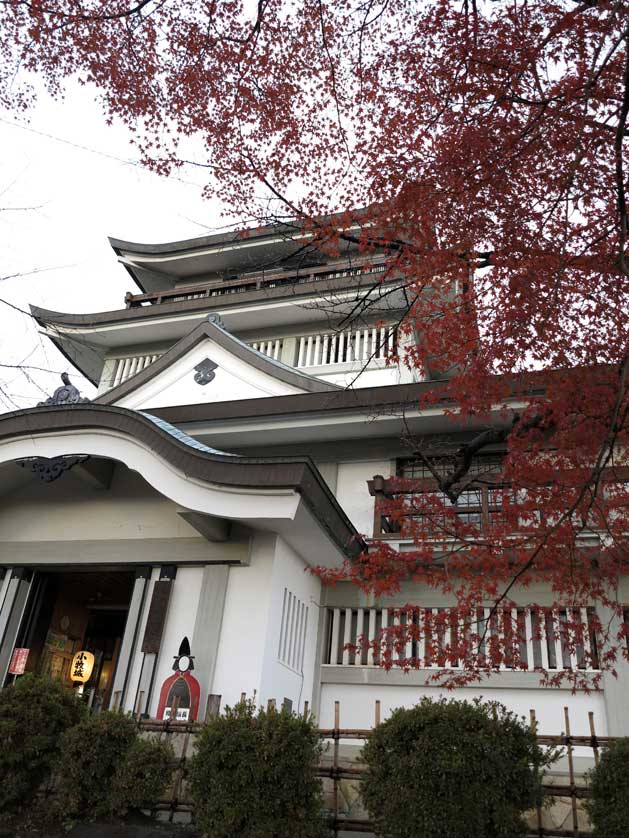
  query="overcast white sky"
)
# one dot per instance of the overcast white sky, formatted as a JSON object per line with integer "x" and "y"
{"x": 83, "y": 190}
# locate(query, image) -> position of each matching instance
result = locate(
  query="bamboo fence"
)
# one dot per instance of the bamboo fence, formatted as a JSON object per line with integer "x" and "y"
{"x": 337, "y": 770}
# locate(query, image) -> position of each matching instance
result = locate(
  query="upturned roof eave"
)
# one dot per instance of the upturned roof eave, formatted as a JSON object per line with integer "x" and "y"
{"x": 298, "y": 474}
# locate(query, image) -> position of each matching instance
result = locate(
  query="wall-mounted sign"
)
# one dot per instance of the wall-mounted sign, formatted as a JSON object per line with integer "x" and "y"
{"x": 18, "y": 661}
{"x": 181, "y": 690}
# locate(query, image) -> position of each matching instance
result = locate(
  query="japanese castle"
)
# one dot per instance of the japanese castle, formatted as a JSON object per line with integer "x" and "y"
{"x": 243, "y": 427}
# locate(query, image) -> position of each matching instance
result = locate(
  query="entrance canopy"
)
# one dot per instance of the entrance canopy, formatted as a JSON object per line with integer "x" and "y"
{"x": 212, "y": 491}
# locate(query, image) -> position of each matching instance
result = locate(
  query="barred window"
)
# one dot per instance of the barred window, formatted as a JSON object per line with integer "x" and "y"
{"x": 414, "y": 469}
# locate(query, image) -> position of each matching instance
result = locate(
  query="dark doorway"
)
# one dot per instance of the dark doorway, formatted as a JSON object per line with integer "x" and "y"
{"x": 77, "y": 610}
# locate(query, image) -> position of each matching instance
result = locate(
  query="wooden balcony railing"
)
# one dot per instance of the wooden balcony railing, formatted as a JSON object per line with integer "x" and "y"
{"x": 482, "y": 505}
{"x": 349, "y": 346}
{"x": 125, "y": 367}
{"x": 251, "y": 282}
{"x": 537, "y": 637}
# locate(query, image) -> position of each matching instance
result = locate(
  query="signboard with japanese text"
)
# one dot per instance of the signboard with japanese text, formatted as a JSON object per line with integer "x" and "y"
{"x": 18, "y": 661}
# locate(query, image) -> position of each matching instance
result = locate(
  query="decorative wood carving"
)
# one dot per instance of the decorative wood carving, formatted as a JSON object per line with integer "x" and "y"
{"x": 51, "y": 468}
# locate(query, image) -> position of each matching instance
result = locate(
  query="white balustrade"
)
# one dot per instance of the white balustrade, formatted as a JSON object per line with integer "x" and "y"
{"x": 531, "y": 638}
{"x": 351, "y": 346}
{"x": 124, "y": 368}
{"x": 272, "y": 348}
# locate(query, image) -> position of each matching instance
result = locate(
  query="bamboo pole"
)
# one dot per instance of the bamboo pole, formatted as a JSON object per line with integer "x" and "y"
{"x": 573, "y": 797}
{"x": 335, "y": 764}
{"x": 594, "y": 739}
{"x": 538, "y": 808}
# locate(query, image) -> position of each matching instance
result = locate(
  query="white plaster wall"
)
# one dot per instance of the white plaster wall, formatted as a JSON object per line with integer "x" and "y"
{"x": 233, "y": 379}
{"x": 352, "y": 492}
{"x": 182, "y": 612}
{"x": 242, "y": 642}
{"x": 72, "y": 510}
{"x": 279, "y": 681}
{"x": 357, "y": 705}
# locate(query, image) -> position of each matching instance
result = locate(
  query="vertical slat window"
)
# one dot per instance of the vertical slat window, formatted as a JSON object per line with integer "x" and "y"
{"x": 293, "y": 628}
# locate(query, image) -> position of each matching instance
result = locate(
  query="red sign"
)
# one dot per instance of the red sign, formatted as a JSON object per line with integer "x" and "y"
{"x": 185, "y": 688}
{"x": 18, "y": 661}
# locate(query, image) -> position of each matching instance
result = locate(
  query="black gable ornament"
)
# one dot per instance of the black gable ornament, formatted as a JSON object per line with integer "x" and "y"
{"x": 180, "y": 694}
{"x": 67, "y": 394}
{"x": 205, "y": 372}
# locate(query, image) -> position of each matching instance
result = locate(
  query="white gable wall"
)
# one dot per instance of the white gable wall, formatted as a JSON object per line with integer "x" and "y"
{"x": 234, "y": 379}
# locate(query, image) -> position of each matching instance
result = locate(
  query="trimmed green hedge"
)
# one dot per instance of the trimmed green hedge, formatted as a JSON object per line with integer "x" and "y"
{"x": 609, "y": 783}
{"x": 34, "y": 713}
{"x": 105, "y": 769}
{"x": 452, "y": 769}
{"x": 254, "y": 775}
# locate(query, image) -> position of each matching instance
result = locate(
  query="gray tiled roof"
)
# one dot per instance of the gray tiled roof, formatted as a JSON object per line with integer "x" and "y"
{"x": 183, "y": 437}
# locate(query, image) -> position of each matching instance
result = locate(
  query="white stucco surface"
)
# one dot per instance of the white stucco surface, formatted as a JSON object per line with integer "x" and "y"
{"x": 357, "y": 705}
{"x": 280, "y": 681}
{"x": 182, "y": 610}
{"x": 129, "y": 509}
{"x": 246, "y": 616}
{"x": 352, "y": 492}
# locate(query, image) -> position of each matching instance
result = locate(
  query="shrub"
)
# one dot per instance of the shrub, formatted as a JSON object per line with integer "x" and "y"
{"x": 141, "y": 778}
{"x": 609, "y": 781}
{"x": 452, "y": 769}
{"x": 254, "y": 775}
{"x": 34, "y": 712}
{"x": 105, "y": 769}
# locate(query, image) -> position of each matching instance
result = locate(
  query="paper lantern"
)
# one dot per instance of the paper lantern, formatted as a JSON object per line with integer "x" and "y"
{"x": 82, "y": 666}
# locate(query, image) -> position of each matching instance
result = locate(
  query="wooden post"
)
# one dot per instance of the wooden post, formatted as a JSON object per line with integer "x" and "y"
{"x": 138, "y": 706}
{"x": 540, "y": 827}
{"x": 213, "y": 707}
{"x": 377, "y": 722}
{"x": 306, "y": 709}
{"x": 270, "y": 705}
{"x": 573, "y": 791}
{"x": 117, "y": 696}
{"x": 243, "y": 697}
{"x": 594, "y": 739}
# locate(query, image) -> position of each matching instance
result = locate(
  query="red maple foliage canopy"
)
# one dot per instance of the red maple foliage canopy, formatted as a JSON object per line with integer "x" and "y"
{"x": 486, "y": 145}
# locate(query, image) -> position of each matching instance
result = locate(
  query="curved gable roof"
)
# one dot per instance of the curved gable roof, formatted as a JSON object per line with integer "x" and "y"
{"x": 193, "y": 459}
{"x": 212, "y": 329}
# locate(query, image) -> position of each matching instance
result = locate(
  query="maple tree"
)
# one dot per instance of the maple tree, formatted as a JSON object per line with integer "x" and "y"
{"x": 486, "y": 144}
